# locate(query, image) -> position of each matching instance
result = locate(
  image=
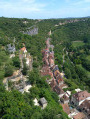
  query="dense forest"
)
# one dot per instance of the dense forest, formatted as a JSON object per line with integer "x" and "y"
{"x": 72, "y": 54}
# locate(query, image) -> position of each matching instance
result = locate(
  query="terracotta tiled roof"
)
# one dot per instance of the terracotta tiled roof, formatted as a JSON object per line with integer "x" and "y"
{"x": 65, "y": 97}
{"x": 51, "y": 61}
{"x": 46, "y": 71}
{"x": 80, "y": 115}
{"x": 63, "y": 85}
{"x": 59, "y": 78}
{"x": 58, "y": 90}
{"x": 85, "y": 106}
{"x": 23, "y": 49}
{"x": 81, "y": 95}
{"x": 53, "y": 83}
{"x": 66, "y": 108}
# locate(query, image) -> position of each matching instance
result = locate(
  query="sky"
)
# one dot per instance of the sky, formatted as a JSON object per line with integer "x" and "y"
{"x": 44, "y": 9}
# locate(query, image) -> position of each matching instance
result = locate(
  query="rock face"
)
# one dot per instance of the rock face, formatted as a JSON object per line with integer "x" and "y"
{"x": 31, "y": 32}
{"x": 11, "y": 48}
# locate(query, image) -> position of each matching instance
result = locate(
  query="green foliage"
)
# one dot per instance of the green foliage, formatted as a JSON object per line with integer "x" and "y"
{"x": 77, "y": 43}
{"x": 25, "y": 68}
{"x": 2, "y": 74}
{"x": 15, "y": 105}
{"x": 16, "y": 61}
{"x": 8, "y": 70}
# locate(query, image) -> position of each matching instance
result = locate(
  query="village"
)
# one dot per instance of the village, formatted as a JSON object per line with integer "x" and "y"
{"x": 77, "y": 106}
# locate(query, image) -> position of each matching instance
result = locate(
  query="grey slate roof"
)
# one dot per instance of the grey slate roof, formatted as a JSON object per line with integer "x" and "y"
{"x": 43, "y": 101}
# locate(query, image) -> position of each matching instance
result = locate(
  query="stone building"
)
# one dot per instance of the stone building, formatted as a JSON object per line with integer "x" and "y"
{"x": 43, "y": 102}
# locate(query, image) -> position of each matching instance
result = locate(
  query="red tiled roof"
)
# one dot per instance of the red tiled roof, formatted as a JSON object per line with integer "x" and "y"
{"x": 46, "y": 71}
{"x": 63, "y": 85}
{"x": 65, "y": 97}
{"x": 51, "y": 61}
{"x": 53, "y": 83}
{"x": 80, "y": 115}
{"x": 59, "y": 78}
{"x": 23, "y": 49}
{"x": 66, "y": 108}
{"x": 81, "y": 95}
{"x": 58, "y": 90}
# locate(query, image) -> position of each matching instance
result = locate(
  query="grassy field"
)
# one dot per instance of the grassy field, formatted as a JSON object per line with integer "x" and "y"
{"x": 77, "y": 43}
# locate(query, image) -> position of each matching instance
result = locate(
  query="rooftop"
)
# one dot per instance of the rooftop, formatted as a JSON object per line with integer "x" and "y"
{"x": 65, "y": 97}
{"x": 78, "y": 90}
{"x": 66, "y": 108}
{"x": 36, "y": 102}
{"x": 58, "y": 90}
{"x": 86, "y": 106}
{"x": 80, "y": 115}
{"x": 81, "y": 95}
{"x": 23, "y": 49}
{"x": 43, "y": 101}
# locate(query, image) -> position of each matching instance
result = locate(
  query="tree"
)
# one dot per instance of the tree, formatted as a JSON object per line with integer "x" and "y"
{"x": 67, "y": 73}
{"x": 2, "y": 73}
{"x": 25, "y": 68}
{"x": 86, "y": 64}
{"x": 34, "y": 76}
{"x": 8, "y": 70}
{"x": 16, "y": 61}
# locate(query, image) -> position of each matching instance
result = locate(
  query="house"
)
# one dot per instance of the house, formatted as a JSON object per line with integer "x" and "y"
{"x": 85, "y": 108}
{"x": 46, "y": 71}
{"x": 59, "y": 80}
{"x": 58, "y": 77}
{"x": 73, "y": 112}
{"x": 25, "y": 22}
{"x": 58, "y": 90}
{"x": 62, "y": 74}
{"x": 54, "y": 68}
{"x": 43, "y": 102}
{"x": 63, "y": 86}
{"x": 66, "y": 108}
{"x": 29, "y": 61}
{"x": 45, "y": 60}
{"x": 45, "y": 52}
{"x": 36, "y": 102}
{"x": 48, "y": 43}
{"x": 80, "y": 97}
{"x": 78, "y": 90}
{"x": 26, "y": 88}
{"x": 68, "y": 93}
{"x": 80, "y": 115}
{"x": 24, "y": 50}
{"x": 51, "y": 59}
{"x": 28, "y": 58}
{"x": 51, "y": 62}
{"x": 64, "y": 99}
{"x": 53, "y": 83}
{"x": 11, "y": 48}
